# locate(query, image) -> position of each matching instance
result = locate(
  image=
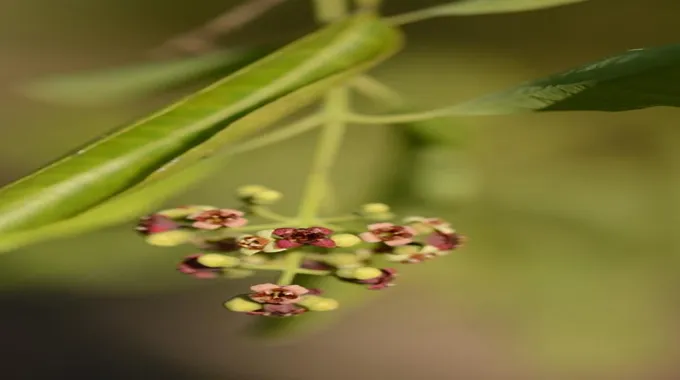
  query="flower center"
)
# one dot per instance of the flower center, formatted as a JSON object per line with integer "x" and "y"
{"x": 280, "y": 294}
{"x": 253, "y": 242}
{"x": 390, "y": 233}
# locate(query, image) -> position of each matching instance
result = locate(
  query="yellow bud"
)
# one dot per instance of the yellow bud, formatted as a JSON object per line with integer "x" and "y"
{"x": 182, "y": 212}
{"x": 345, "y": 273}
{"x": 241, "y": 305}
{"x": 375, "y": 208}
{"x": 346, "y": 240}
{"x": 342, "y": 260}
{"x": 249, "y": 190}
{"x": 215, "y": 260}
{"x": 316, "y": 303}
{"x": 366, "y": 273}
{"x": 379, "y": 217}
{"x": 266, "y": 197}
{"x": 169, "y": 238}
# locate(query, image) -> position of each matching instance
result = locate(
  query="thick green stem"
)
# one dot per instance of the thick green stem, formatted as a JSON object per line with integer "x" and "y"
{"x": 335, "y": 109}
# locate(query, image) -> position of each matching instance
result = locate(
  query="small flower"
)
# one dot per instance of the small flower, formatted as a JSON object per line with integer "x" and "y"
{"x": 445, "y": 242}
{"x": 389, "y": 234}
{"x": 413, "y": 253}
{"x": 218, "y": 218}
{"x": 384, "y": 280}
{"x": 295, "y": 237}
{"x": 278, "y": 310}
{"x": 156, "y": 223}
{"x": 260, "y": 242}
{"x": 277, "y": 294}
{"x": 427, "y": 225}
{"x": 192, "y": 266}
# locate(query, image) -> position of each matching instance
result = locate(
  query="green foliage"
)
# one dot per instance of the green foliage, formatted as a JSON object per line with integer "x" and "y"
{"x": 123, "y": 159}
{"x": 136, "y": 81}
{"x": 479, "y": 7}
{"x": 636, "y": 79}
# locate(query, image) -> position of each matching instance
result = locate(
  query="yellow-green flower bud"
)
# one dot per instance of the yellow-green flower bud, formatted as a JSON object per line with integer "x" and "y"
{"x": 380, "y": 217}
{"x": 316, "y": 303}
{"x": 249, "y": 191}
{"x": 169, "y": 238}
{"x": 241, "y": 305}
{"x": 266, "y": 197}
{"x": 182, "y": 212}
{"x": 345, "y": 240}
{"x": 215, "y": 260}
{"x": 375, "y": 208}
{"x": 366, "y": 273}
{"x": 345, "y": 273}
{"x": 342, "y": 260}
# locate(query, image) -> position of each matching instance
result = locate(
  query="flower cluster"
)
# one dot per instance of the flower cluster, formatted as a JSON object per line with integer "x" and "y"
{"x": 232, "y": 247}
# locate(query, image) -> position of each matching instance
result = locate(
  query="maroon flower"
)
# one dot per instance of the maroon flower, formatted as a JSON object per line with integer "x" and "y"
{"x": 277, "y": 294}
{"x": 283, "y": 310}
{"x": 315, "y": 265}
{"x": 218, "y": 218}
{"x": 389, "y": 234}
{"x": 381, "y": 282}
{"x": 445, "y": 242}
{"x": 154, "y": 223}
{"x": 191, "y": 266}
{"x": 295, "y": 237}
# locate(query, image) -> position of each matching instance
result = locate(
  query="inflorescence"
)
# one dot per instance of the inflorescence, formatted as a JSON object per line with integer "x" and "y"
{"x": 343, "y": 247}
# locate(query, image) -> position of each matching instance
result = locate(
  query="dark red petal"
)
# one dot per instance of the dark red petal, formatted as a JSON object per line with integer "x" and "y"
{"x": 287, "y": 244}
{"x": 283, "y": 232}
{"x": 322, "y": 230}
{"x": 325, "y": 243}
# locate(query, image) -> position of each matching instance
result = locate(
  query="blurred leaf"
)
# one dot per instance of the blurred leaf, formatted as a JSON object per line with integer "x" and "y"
{"x": 123, "y": 159}
{"x": 478, "y": 7}
{"x": 125, "y": 84}
{"x": 636, "y": 79}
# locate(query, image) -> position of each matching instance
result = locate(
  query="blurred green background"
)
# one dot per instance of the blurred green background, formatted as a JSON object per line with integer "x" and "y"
{"x": 570, "y": 272}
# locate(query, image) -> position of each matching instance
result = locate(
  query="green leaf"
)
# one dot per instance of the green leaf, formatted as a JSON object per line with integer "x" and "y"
{"x": 172, "y": 139}
{"x": 478, "y": 7}
{"x": 133, "y": 82}
{"x": 636, "y": 79}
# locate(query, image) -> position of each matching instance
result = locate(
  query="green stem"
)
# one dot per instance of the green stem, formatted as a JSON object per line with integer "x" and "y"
{"x": 398, "y": 118}
{"x": 330, "y": 10}
{"x": 375, "y": 90}
{"x": 281, "y": 134}
{"x": 335, "y": 109}
{"x": 271, "y": 215}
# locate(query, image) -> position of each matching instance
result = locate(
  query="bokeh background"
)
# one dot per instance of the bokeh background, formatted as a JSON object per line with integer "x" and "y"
{"x": 571, "y": 268}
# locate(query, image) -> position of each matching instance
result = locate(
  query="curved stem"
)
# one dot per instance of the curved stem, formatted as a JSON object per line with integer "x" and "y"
{"x": 376, "y": 90}
{"x": 281, "y": 134}
{"x": 398, "y": 118}
{"x": 271, "y": 215}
